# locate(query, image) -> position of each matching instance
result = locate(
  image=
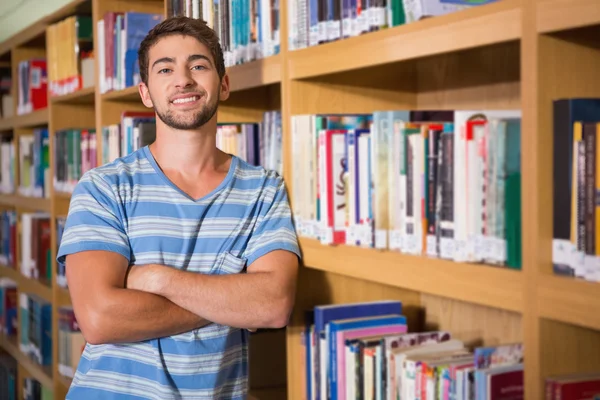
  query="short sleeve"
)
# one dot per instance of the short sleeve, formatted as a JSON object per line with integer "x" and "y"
{"x": 274, "y": 229}
{"x": 94, "y": 221}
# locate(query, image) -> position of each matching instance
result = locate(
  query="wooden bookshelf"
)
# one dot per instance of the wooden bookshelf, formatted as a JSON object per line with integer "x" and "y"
{"x": 26, "y": 203}
{"x": 31, "y": 120}
{"x": 131, "y": 94}
{"x": 506, "y": 55}
{"x": 34, "y": 286}
{"x": 476, "y": 27}
{"x": 83, "y": 96}
{"x": 569, "y": 300}
{"x": 255, "y": 74}
{"x": 42, "y": 373}
{"x": 558, "y": 15}
{"x": 475, "y": 283}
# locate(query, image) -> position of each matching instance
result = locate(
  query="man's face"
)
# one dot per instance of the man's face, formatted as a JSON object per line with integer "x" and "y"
{"x": 183, "y": 83}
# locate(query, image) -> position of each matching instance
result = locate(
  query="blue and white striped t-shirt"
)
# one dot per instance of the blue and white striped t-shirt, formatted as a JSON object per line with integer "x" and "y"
{"x": 129, "y": 206}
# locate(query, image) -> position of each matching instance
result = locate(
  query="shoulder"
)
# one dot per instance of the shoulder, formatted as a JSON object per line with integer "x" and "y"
{"x": 264, "y": 185}
{"x": 257, "y": 176}
{"x": 110, "y": 178}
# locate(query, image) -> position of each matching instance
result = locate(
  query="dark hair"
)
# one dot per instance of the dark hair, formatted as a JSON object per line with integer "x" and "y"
{"x": 195, "y": 28}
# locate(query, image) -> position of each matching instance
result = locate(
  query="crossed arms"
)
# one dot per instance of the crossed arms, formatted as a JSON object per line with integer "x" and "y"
{"x": 116, "y": 304}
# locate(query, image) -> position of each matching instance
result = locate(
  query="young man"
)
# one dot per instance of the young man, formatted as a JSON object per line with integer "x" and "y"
{"x": 173, "y": 253}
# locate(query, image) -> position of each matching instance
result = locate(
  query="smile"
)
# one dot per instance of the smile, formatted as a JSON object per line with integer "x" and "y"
{"x": 186, "y": 100}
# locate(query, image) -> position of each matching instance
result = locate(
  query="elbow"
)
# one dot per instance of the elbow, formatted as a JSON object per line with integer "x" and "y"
{"x": 94, "y": 327}
{"x": 279, "y": 316}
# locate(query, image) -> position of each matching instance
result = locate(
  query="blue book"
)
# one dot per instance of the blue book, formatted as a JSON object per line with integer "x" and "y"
{"x": 330, "y": 312}
{"x": 136, "y": 26}
{"x": 349, "y": 324}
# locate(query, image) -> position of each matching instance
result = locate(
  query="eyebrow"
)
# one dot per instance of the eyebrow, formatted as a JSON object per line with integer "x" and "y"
{"x": 191, "y": 58}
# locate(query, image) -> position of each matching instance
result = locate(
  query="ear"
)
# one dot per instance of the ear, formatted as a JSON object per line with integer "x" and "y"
{"x": 224, "y": 93}
{"x": 145, "y": 95}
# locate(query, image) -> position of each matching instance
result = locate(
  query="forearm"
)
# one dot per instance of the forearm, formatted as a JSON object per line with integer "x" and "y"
{"x": 251, "y": 301}
{"x": 127, "y": 315}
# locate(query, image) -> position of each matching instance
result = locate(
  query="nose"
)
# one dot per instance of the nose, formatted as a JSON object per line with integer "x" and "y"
{"x": 183, "y": 78}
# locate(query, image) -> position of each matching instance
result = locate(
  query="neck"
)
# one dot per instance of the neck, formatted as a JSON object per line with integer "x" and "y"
{"x": 188, "y": 152}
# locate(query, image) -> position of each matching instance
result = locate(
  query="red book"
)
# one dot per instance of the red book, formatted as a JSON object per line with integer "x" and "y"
{"x": 506, "y": 385}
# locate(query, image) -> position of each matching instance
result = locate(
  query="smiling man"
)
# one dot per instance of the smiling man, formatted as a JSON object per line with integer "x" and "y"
{"x": 174, "y": 252}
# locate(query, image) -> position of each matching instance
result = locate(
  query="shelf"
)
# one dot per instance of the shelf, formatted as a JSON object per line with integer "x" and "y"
{"x": 27, "y": 285}
{"x": 31, "y": 120}
{"x": 558, "y": 15}
{"x": 478, "y": 26}
{"x": 83, "y": 96}
{"x": 63, "y": 297}
{"x": 257, "y": 73}
{"x": 130, "y": 94}
{"x": 42, "y": 373}
{"x": 6, "y": 124}
{"x": 65, "y": 381}
{"x": 268, "y": 394}
{"x": 569, "y": 300}
{"x": 26, "y": 203}
{"x": 486, "y": 285}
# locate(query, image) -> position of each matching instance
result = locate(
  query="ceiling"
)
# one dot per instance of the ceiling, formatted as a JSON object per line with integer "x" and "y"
{"x": 16, "y": 15}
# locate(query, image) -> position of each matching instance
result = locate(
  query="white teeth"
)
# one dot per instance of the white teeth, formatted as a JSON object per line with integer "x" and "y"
{"x": 185, "y": 100}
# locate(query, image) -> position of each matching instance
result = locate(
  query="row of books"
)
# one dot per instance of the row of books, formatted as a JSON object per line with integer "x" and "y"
{"x": 7, "y": 104}
{"x": 69, "y": 54}
{"x": 34, "y": 164}
{"x": 576, "y": 181}
{"x": 248, "y": 29}
{"x": 34, "y": 241}
{"x": 256, "y": 143}
{"x": 32, "y": 85}
{"x": 70, "y": 342}
{"x": 7, "y": 165}
{"x": 444, "y": 184}
{"x": 119, "y": 37}
{"x": 8, "y": 307}
{"x": 61, "y": 273}
{"x": 313, "y": 22}
{"x": 364, "y": 350}
{"x": 74, "y": 154}
{"x": 35, "y": 328}
{"x": 9, "y": 376}
{"x": 135, "y": 130}
{"x": 34, "y": 390}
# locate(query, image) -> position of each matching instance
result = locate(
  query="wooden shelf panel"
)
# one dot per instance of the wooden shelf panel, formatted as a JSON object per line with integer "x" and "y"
{"x": 6, "y": 124}
{"x": 129, "y": 94}
{"x": 479, "y": 284}
{"x": 478, "y": 26}
{"x": 63, "y": 297}
{"x": 569, "y": 300}
{"x": 257, "y": 73}
{"x": 31, "y": 120}
{"x": 268, "y": 394}
{"x": 558, "y": 15}
{"x": 42, "y": 373}
{"x": 83, "y": 96}
{"x": 26, "y": 203}
{"x": 26, "y": 285}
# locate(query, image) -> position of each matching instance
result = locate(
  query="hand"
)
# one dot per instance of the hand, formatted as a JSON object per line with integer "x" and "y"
{"x": 143, "y": 277}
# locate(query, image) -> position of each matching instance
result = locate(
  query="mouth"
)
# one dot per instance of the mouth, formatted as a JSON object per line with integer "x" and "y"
{"x": 186, "y": 100}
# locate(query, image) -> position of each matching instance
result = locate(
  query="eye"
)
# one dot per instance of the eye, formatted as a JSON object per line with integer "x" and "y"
{"x": 198, "y": 67}
{"x": 164, "y": 70}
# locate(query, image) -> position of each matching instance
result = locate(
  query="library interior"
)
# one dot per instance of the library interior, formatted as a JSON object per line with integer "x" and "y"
{"x": 393, "y": 299}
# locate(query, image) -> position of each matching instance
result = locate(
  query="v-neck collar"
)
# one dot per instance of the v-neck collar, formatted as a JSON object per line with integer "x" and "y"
{"x": 224, "y": 183}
